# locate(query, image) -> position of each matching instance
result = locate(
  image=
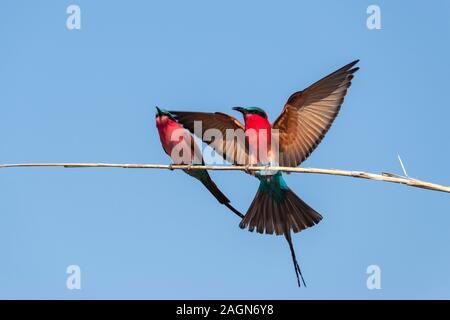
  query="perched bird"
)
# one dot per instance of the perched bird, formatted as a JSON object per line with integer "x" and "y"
{"x": 303, "y": 122}
{"x": 175, "y": 138}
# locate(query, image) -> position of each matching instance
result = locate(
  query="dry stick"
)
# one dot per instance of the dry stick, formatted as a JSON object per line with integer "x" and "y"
{"x": 388, "y": 177}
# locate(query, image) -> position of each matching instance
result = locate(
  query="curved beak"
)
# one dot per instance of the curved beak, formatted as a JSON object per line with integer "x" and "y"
{"x": 240, "y": 109}
{"x": 159, "y": 111}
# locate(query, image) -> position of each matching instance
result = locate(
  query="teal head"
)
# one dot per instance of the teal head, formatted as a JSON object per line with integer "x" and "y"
{"x": 163, "y": 118}
{"x": 251, "y": 111}
{"x": 160, "y": 113}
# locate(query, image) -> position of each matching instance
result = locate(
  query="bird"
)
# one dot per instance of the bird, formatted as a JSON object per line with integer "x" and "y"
{"x": 174, "y": 139}
{"x": 304, "y": 120}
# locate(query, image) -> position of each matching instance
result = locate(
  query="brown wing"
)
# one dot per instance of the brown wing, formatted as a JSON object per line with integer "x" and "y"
{"x": 228, "y": 138}
{"x": 308, "y": 114}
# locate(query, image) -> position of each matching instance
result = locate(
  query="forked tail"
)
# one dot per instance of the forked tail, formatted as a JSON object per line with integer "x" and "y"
{"x": 298, "y": 272}
{"x": 276, "y": 208}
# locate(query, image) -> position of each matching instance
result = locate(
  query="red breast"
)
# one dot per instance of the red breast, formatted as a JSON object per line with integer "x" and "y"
{"x": 258, "y": 134}
{"x": 166, "y": 129}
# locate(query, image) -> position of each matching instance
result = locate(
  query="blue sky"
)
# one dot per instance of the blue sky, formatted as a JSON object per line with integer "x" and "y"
{"x": 88, "y": 96}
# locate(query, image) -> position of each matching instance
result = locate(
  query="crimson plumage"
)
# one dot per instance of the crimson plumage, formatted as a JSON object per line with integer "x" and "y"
{"x": 305, "y": 119}
{"x": 172, "y": 135}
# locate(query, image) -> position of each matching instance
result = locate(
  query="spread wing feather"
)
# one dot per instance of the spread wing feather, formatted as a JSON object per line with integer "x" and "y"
{"x": 308, "y": 114}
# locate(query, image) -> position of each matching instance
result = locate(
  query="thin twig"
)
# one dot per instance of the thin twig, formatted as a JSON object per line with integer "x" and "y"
{"x": 403, "y": 167}
{"x": 388, "y": 177}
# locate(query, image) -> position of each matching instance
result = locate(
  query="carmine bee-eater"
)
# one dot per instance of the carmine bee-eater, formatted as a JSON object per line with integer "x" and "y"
{"x": 305, "y": 119}
{"x": 173, "y": 135}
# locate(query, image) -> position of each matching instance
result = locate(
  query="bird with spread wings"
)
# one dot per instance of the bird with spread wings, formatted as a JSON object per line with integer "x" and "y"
{"x": 305, "y": 119}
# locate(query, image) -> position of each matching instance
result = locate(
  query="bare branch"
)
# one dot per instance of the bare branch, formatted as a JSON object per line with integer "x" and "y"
{"x": 388, "y": 177}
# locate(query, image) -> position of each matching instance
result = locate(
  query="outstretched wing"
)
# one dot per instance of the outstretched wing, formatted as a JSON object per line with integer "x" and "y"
{"x": 308, "y": 114}
{"x": 224, "y": 133}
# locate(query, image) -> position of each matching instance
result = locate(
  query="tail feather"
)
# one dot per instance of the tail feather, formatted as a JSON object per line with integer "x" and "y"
{"x": 250, "y": 214}
{"x": 266, "y": 214}
{"x": 294, "y": 220}
{"x": 237, "y": 212}
{"x": 270, "y": 218}
{"x": 277, "y": 218}
{"x": 276, "y": 208}
{"x": 298, "y": 272}
{"x": 261, "y": 218}
{"x": 215, "y": 191}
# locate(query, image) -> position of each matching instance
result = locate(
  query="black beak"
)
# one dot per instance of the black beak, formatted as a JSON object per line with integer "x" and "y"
{"x": 159, "y": 112}
{"x": 240, "y": 109}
